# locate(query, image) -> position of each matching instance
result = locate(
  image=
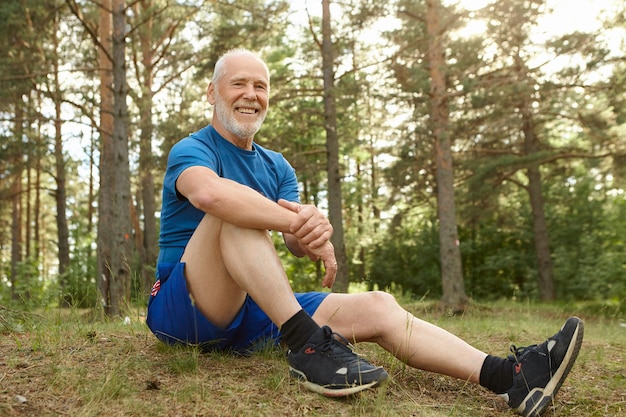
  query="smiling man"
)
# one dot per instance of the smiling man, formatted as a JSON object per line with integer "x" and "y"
{"x": 221, "y": 285}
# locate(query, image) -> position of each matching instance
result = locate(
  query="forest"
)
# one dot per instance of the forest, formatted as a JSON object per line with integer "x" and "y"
{"x": 461, "y": 152}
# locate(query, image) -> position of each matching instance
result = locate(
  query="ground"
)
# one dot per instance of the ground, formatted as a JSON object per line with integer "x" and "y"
{"x": 61, "y": 363}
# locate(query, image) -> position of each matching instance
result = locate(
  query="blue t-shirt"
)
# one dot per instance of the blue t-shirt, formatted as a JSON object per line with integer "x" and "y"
{"x": 263, "y": 170}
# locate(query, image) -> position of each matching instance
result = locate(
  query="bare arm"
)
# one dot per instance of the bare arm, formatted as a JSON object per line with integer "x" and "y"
{"x": 232, "y": 202}
{"x": 306, "y": 230}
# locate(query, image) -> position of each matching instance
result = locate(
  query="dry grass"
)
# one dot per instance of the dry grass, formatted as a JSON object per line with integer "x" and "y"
{"x": 61, "y": 364}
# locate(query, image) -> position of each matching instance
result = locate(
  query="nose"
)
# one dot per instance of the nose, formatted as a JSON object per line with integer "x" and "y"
{"x": 249, "y": 92}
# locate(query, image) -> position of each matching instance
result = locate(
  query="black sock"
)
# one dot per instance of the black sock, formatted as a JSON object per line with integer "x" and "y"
{"x": 297, "y": 330}
{"x": 496, "y": 374}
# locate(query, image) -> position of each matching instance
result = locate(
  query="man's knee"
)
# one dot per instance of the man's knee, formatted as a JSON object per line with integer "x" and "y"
{"x": 232, "y": 231}
{"x": 381, "y": 301}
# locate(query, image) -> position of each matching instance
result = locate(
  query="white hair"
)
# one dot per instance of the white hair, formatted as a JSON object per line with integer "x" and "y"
{"x": 219, "y": 70}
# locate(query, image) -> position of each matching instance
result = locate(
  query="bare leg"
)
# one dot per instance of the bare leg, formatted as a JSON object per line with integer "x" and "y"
{"x": 225, "y": 262}
{"x": 377, "y": 317}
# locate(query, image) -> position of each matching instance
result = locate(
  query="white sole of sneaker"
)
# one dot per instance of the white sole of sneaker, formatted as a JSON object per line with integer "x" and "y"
{"x": 539, "y": 399}
{"x": 331, "y": 392}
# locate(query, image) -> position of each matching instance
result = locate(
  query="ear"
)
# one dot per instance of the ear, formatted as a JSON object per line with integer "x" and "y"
{"x": 210, "y": 93}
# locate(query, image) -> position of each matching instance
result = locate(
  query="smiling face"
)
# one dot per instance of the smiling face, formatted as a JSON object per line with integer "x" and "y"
{"x": 240, "y": 95}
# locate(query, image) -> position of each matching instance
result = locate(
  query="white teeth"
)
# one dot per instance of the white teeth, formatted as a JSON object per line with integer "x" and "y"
{"x": 247, "y": 111}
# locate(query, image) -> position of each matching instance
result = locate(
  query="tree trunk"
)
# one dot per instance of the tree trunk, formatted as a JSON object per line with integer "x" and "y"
{"x": 31, "y": 159}
{"x": 16, "y": 206}
{"x": 120, "y": 286}
{"x": 91, "y": 195}
{"x": 61, "y": 192}
{"x": 451, "y": 270}
{"x": 148, "y": 250}
{"x": 332, "y": 153}
{"x": 105, "y": 197}
{"x": 540, "y": 225}
{"x": 16, "y": 232}
{"x": 114, "y": 199}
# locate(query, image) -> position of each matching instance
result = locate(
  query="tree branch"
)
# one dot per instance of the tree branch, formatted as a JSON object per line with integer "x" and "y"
{"x": 91, "y": 31}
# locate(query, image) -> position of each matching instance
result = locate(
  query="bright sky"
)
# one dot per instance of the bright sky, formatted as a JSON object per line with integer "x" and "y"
{"x": 563, "y": 16}
{"x": 566, "y": 16}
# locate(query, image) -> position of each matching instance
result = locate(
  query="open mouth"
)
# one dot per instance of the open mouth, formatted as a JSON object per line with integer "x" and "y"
{"x": 247, "y": 110}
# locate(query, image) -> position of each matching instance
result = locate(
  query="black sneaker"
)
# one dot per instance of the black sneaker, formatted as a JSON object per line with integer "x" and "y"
{"x": 327, "y": 365}
{"x": 541, "y": 369}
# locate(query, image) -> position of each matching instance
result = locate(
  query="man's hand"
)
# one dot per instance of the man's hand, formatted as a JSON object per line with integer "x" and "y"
{"x": 311, "y": 227}
{"x": 330, "y": 265}
{"x": 313, "y": 231}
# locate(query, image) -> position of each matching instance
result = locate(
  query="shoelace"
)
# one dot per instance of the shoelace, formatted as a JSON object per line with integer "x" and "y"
{"x": 517, "y": 352}
{"x": 339, "y": 347}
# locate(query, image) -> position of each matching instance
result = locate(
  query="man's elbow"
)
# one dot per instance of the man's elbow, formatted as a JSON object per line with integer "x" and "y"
{"x": 206, "y": 202}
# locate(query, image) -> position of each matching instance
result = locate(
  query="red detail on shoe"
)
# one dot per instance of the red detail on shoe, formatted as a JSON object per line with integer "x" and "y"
{"x": 309, "y": 351}
{"x": 518, "y": 368}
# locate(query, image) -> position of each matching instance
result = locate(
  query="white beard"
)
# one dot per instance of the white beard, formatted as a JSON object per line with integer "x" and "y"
{"x": 227, "y": 117}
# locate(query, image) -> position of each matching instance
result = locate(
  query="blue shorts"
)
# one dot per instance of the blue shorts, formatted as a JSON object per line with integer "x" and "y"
{"x": 174, "y": 319}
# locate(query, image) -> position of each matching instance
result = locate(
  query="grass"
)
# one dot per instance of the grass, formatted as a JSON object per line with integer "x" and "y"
{"x": 63, "y": 363}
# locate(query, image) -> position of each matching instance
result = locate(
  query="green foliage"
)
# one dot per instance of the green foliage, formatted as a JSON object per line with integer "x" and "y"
{"x": 252, "y": 24}
{"x": 588, "y": 241}
{"x": 407, "y": 259}
{"x": 28, "y": 290}
{"x": 496, "y": 263}
{"x": 587, "y": 230}
{"x": 387, "y": 154}
{"x": 304, "y": 275}
{"x": 80, "y": 284}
